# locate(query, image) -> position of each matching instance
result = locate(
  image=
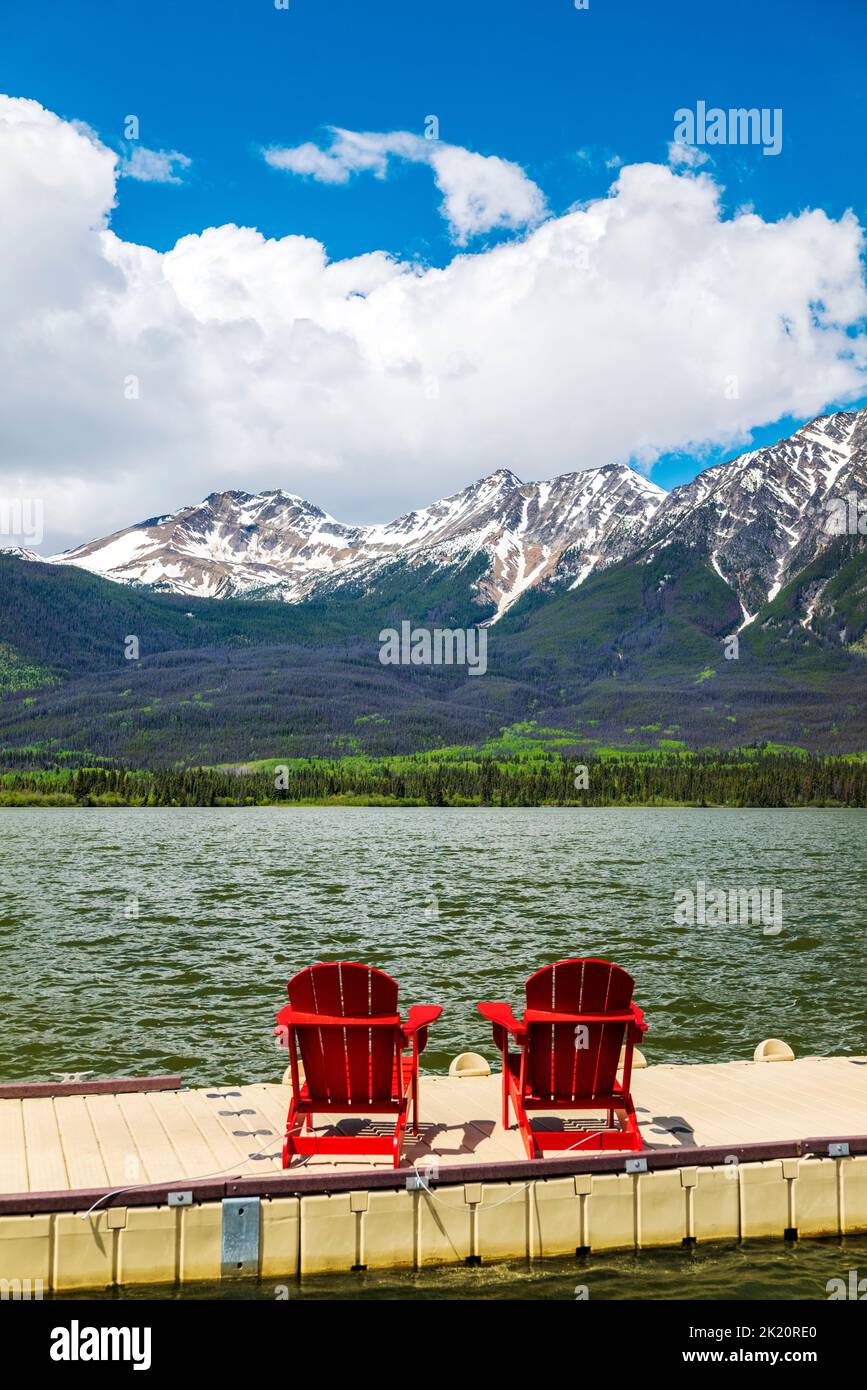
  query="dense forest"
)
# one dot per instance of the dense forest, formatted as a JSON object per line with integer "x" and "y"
{"x": 746, "y": 779}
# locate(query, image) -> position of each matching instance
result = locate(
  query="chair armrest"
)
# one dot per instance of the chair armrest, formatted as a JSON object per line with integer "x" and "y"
{"x": 554, "y": 1016}
{"x": 419, "y": 1016}
{"x": 638, "y": 1022}
{"x": 502, "y": 1017}
{"x": 415, "y": 1029}
{"x": 296, "y": 1018}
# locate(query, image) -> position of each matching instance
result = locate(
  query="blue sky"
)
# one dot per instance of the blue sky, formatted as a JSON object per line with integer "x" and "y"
{"x": 560, "y": 92}
{"x": 534, "y": 81}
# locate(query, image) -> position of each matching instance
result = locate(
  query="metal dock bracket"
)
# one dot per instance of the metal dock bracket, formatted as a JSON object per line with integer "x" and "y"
{"x": 239, "y": 1250}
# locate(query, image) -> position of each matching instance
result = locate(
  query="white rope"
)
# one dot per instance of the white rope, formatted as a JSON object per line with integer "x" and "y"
{"x": 176, "y": 1182}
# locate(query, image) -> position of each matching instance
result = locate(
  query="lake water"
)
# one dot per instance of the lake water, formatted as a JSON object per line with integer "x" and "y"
{"x": 150, "y": 940}
{"x": 458, "y": 904}
{"x": 766, "y": 1270}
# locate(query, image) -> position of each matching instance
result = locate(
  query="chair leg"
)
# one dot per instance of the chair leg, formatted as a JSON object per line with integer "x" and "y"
{"x": 293, "y": 1124}
{"x": 527, "y": 1134}
{"x": 397, "y": 1142}
{"x": 628, "y": 1121}
{"x": 415, "y": 1121}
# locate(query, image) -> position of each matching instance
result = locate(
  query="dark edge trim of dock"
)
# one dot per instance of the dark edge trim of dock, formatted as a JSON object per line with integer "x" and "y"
{"x": 297, "y": 1183}
{"x": 121, "y": 1086}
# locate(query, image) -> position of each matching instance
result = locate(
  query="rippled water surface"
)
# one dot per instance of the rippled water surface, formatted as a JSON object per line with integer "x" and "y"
{"x": 758, "y": 1270}
{"x": 458, "y": 904}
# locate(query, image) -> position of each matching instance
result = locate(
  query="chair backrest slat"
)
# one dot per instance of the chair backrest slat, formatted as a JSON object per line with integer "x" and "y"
{"x": 384, "y": 1047}
{"x": 575, "y": 1061}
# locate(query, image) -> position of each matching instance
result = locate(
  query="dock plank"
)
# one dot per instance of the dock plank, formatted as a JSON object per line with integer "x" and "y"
{"x": 464, "y": 1111}
{"x": 116, "y": 1143}
{"x": 157, "y": 1157}
{"x": 196, "y": 1158}
{"x": 46, "y": 1169}
{"x": 13, "y": 1152}
{"x": 81, "y": 1149}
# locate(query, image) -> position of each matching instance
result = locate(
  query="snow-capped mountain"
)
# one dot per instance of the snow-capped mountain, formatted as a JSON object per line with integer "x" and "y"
{"x": 758, "y": 520}
{"x": 278, "y": 545}
{"x": 763, "y": 517}
{"x": 21, "y": 553}
{"x": 230, "y": 544}
{"x": 526, "y": 533}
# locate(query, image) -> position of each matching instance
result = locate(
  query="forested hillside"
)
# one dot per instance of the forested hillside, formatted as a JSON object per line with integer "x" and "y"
{"x": 636, "y": 656}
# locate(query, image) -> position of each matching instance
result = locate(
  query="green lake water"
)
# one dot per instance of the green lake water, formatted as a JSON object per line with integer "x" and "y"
{"x": 151, "y": 940}
{"x": 760, "y": 1270}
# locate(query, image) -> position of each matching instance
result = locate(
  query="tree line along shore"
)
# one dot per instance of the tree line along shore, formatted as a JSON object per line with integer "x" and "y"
{"x": 739, "y": 780}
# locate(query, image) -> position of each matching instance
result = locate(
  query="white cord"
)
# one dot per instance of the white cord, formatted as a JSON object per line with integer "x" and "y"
{"x": 173, "y": 1182}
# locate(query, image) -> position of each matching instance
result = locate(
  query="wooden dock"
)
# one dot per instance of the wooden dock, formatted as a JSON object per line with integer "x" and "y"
{"x": 732, "y": 1149}
{"x": 84, "y": 1141}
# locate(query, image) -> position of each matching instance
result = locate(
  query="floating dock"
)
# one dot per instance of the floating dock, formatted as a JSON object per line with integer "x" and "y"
{"x": 143, "y": 1182}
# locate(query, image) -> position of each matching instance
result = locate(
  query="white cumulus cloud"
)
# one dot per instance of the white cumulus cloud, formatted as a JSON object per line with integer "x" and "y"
{"x": 690, "y": 155}
{"x": 134, "y": 381}
{"x": 480, "y": 192}
{"x": 154, "y": 166}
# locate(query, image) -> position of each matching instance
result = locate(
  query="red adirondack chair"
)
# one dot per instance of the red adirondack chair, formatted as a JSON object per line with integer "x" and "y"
{"x": 579, "y": 1015}
{"x": 342, "y": 1023}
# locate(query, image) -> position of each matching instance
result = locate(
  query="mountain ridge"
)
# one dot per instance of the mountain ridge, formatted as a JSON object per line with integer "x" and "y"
{"x": 758, "y": 519}
{"x": 278, "y": 545}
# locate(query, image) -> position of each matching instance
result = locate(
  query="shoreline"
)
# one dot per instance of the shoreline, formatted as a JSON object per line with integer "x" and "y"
{"x": 65, "y": 803}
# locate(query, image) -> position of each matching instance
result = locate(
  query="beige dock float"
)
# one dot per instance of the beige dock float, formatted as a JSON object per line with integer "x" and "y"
{"x": 102, "y": 1186}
